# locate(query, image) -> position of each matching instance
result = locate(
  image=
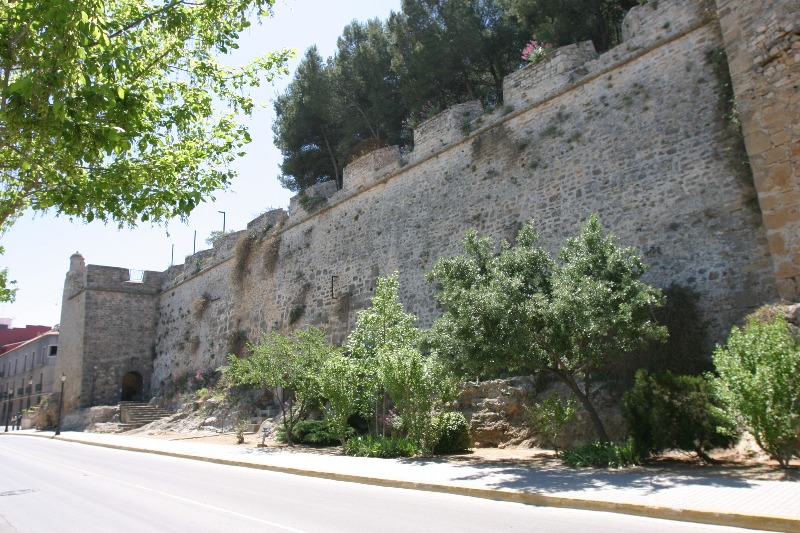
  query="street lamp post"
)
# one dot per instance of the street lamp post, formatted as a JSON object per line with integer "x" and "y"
{"x": 223, "y": 221}
{"x": 8, "y": 406}
{"x": 61, "y": 403}
{"x": 30, "y": 390}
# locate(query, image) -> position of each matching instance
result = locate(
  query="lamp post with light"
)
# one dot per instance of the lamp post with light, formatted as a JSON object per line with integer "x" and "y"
{"x": 61, "y": 403}
{"x": 8, "y": 406}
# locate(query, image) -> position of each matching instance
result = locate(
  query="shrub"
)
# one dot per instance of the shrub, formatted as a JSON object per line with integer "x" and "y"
{"x": 668, "y": 411}
{"x": 384, "y": 447}
{"x": 239, "y": 430}
{"x": 601, "y": 455}
{"x": 312, "y": 433}
{"x": 418, "y": 385}
{"x": 759, "y": 381}
{"x": 550, "y": 416}
{"x": 343, "y": 383}
{"x": 452, "y": 430}
{"x": 201, "y": 304}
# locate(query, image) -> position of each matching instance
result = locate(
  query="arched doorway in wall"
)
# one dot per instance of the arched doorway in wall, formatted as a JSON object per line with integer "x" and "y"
{"x": 131, "y": 387}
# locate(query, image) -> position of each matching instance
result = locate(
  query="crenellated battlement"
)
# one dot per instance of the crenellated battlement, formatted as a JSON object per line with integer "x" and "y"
{"x": 116, "y": 279}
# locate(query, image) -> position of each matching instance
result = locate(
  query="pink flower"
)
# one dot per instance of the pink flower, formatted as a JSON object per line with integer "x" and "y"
{"x": 536, "y": 51}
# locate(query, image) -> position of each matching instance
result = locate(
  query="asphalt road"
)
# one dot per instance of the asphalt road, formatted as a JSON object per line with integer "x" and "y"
{"x": 48, "y": 485}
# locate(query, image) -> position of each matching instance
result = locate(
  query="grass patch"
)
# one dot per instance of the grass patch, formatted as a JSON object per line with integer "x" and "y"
{"x": 601, "y": 455}
{"x": 383, "y": 447}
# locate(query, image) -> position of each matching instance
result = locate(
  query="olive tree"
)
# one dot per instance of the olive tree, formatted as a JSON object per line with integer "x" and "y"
{"x": 519, "y": 310}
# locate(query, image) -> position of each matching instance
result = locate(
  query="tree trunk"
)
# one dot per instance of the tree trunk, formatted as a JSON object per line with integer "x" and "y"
{"x": 332, "y": 155}
{"x": 584, "y": 399}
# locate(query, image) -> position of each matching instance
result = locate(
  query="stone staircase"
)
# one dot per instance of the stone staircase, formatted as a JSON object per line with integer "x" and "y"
{"x": 256, "y": 421}
{"x": 135, "y": 415}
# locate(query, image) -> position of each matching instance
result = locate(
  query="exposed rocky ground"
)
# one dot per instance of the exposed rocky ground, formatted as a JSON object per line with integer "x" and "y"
{"x": 212, "y": 421}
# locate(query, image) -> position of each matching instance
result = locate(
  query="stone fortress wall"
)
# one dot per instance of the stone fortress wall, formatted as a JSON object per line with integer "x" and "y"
{"x": 635, "y": 134}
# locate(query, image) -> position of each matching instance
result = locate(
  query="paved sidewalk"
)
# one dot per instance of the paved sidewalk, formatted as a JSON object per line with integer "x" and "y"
{"x": 706, "y": 498}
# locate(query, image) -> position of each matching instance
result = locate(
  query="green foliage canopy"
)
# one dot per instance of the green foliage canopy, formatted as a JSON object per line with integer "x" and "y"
{"x": 452, "y": 51}
{"x": 342, "y": 382}
{"x": 759, "y": 381}
{"x": 386, "y": 77}
{"x": 669, "y": 411}
{"x": 107, "y": 107}
{"x": 572, "y": 21}
{"x": 519, "y": 310}
{"x": 419, "y": 386}
{"x": 306, "y": 127}
{"x": 384, "y": 325}
{"x": 386, "y": 341}
{"x": 291, "y": 362}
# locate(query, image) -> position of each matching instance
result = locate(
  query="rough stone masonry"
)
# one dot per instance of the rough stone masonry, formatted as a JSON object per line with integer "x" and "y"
{"x": 636, "y": 134}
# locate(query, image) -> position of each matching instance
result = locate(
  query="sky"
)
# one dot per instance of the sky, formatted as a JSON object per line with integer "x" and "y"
{"x": 38, "y": 247}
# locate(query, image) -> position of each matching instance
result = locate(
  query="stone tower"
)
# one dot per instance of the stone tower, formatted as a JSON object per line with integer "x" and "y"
{"x": 108, "y": 321}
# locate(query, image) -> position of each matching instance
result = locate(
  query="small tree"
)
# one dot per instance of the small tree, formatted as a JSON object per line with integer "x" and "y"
{"x": 549, "y": 417}
{"x": 343, "y": 384}
{"x": 759, "y": 381}
{"x": 518, "y": 310}
{"x": 290, "y": 363}
{"x": 418, "y": 386}
{"x": 384, "y": 326}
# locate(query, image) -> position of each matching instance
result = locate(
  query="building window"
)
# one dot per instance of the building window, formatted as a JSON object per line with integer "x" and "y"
{"x": 53, "y": 351}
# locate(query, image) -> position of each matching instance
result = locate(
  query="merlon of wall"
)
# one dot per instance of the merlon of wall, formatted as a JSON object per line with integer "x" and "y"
{"x": 539, "y": 81}
{"x": 445, "y": 128}
{"x": 305, "y": 203}
{"x": 370, "y": 168}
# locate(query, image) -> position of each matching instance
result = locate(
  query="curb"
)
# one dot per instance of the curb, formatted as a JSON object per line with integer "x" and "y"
{"x": 759, "y": 522}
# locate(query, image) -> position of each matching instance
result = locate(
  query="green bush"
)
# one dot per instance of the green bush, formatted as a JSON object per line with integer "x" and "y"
{"x": 452, "y": 431}
{"x": 384, "y": 447}
{"x": 311, "y": 433}
{"x": 758, "y": 381}
{"x": 668, "y": 411}
{"x": 601, "y": 455}
{"x": 550, "y": 416}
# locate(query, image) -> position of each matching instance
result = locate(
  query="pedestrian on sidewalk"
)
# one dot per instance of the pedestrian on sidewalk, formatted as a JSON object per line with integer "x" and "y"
{"x": 19, "y": 421}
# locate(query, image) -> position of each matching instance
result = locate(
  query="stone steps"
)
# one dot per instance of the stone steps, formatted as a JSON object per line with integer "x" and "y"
{"x": 135, "y": 415}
